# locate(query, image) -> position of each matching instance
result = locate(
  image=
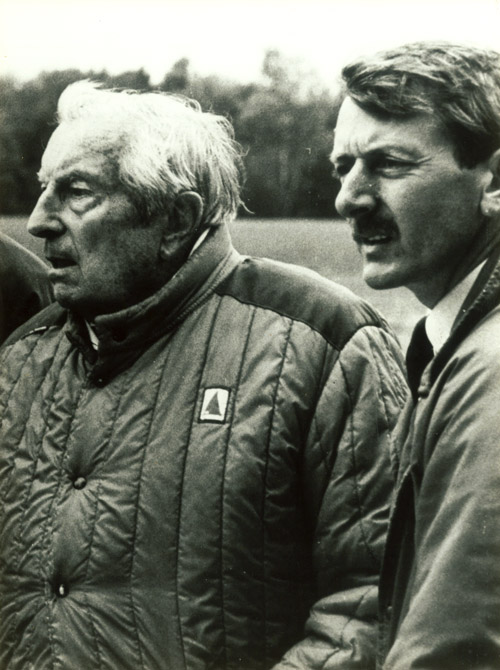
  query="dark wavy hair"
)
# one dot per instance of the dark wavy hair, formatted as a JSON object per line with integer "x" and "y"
{"x": 458, "y": 84}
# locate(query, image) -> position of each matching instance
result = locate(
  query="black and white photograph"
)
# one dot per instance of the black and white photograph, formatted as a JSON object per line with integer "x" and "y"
{"x": 249, "y": 335}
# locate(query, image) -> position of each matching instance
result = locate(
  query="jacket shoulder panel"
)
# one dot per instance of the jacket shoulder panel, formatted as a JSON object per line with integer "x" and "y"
{"x": 301, "y": 295}
{"x": 52, "y": 315}
{"x": 25, "y": 288}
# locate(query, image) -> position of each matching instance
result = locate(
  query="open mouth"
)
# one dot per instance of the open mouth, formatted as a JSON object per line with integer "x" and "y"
{"x": 372, "y": 239}
{"x": 60, "y": 263}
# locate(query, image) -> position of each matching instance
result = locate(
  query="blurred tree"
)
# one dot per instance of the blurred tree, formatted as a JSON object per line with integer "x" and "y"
{"x": 27, "y": 114}
{"x": 134, "y": 79}
{"x": 177, "y": 79}
{"x": 284, "y": 123}
{"x": 10, "y": 162}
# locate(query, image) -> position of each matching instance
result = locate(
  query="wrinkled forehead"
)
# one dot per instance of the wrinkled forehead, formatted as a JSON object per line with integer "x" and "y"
{"x": 83, "y": 140}
{"x": 358, "y": 130}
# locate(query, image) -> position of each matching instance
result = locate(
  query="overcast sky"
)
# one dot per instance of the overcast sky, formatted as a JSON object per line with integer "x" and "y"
{"x": 226, "y": 37}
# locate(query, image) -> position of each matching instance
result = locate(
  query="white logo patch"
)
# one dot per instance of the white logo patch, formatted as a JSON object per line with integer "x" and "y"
{"x": 214, "y": 405}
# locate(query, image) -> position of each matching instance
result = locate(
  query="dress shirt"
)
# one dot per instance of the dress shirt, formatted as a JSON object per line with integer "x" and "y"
{"x": 441, "y": 318}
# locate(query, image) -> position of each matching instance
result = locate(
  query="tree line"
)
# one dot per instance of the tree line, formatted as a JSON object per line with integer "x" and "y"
{"x": 284, "y": 124}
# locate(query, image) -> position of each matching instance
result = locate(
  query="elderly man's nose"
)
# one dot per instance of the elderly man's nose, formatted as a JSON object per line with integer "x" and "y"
{"x": 44, "y": 220}
{"x": 357, "y": 193}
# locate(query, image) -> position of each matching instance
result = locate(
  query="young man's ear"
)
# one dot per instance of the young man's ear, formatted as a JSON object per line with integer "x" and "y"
{"x": 183, "y": 225}
{"x": 490, "y": 201}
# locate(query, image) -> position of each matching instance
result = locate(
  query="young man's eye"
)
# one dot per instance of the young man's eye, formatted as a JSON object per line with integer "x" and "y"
{"x": 391, "y": 162}
{"x": 387, "y": 163}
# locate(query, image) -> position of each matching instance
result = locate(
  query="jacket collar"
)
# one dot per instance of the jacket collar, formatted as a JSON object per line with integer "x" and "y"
{"x": 483, "y": 297}
{"x": 124, "y": 335}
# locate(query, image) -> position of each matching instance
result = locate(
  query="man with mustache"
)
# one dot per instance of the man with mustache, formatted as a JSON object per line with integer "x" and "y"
{"x": 195, "y": 446}
{"x": 417, "y": 152}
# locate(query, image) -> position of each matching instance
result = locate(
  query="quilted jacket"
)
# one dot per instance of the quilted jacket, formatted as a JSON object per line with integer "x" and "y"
{"x": 184, "y": 496}
{"x": 440, "y": 587}
{"x": 24, "y": 285}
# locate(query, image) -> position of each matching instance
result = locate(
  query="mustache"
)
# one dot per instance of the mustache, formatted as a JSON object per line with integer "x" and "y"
{"x": 370, "y": 224}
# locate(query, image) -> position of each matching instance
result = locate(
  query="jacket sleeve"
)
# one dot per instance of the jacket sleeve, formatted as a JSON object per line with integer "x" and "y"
{"x": 452, "y": 615}
{"x": 347, "y": 486}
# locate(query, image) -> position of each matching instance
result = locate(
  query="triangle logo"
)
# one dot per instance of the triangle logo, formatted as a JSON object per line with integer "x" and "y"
{"x": 214, "y": 405}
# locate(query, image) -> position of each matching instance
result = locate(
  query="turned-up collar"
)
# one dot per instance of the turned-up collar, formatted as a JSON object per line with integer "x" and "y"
{"x": 124, "y": 335}
{"x": 94, "y": 340}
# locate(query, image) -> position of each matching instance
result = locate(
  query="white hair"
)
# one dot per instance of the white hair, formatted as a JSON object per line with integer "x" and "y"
{"x": 168, "y": 146}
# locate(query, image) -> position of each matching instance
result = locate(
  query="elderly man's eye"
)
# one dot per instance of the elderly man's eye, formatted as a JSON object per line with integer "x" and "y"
{"x": 75, "y": 191}
{"x": 79, "y": 192}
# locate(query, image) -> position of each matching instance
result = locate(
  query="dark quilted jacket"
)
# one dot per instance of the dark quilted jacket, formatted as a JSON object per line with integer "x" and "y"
{"x": 24, "y": 285}
{"x": 182, "y": 498}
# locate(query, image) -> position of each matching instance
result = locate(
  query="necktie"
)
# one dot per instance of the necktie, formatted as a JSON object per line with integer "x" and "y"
{"x": 419, "y": 354}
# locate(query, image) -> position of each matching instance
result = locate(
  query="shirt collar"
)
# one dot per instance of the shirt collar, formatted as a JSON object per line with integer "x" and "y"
{"x": 440, "y": 320}
{"x": 94, "y": 340}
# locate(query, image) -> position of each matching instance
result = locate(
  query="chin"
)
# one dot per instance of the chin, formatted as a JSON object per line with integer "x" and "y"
{"x": 72, "y": 302}
{"x": 63, "y": 298}
{"x": 380, "y": 281}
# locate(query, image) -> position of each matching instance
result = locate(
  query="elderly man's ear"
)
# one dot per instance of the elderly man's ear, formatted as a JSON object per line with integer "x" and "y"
{"x": 490, "y": 201}
{"x": 182, "y": 226}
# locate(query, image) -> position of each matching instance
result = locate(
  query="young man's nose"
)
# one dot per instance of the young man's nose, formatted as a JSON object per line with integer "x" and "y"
{"x": 44, "y": 220}
{"x": 357, "y": 193}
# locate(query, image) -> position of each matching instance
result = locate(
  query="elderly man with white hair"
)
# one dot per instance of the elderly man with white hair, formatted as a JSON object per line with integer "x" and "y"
{"x": 195, "y": 445}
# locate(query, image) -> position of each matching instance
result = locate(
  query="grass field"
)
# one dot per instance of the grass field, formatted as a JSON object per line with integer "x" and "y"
{"x": 324, "y": 246}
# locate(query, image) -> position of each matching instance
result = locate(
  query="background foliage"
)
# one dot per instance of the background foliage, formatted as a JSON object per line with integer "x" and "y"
{"x": 284, "y": 124}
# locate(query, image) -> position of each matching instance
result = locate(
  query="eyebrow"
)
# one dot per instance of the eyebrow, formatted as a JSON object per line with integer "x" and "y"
{"x": 377, "y": 151}
{"x": 43, "y": 175}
